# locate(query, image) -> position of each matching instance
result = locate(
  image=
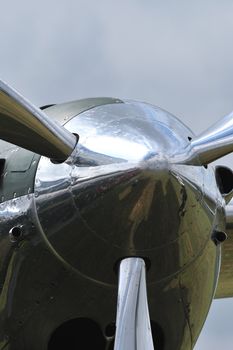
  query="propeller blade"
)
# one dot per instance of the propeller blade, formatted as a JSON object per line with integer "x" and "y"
{"x": 133, "y": 329}
{"x": 212, "y": 144}
{"x": 25, "y": 125}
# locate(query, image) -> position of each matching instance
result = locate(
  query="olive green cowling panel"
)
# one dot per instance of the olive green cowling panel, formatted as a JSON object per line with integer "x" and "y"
{"x": 18, "y": 174}
{"x": 225, "y": 283}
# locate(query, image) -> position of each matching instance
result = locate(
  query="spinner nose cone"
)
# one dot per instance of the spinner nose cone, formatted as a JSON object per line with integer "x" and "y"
{"x": 113, "y": 198}
{"x": 124, "y": 184}
{"x": 129, "y": 132}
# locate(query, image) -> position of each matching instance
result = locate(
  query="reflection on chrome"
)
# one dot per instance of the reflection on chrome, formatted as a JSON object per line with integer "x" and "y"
{"x": 113, "y": 195}
{"x": 120, "y": 196}
{"x": 133, "y": 329}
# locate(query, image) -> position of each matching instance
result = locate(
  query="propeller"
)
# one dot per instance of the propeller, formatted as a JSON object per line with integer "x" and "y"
{"x": 212, "y": 144}
{"x": 25, "y": 125}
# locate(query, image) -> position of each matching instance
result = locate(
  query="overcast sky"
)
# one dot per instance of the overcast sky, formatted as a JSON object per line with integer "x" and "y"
{"x": 175, "y": 54}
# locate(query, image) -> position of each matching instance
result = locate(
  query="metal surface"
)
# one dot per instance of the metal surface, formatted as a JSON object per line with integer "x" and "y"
{"x": 118, "y": 190}
{"x": 65, "y": 111}
{"x": 38, "y": 291}
{"x": 27, "y": 126}
{"x": 119, "y": 195}
{"x": 18, "y": 172}
{"x": 214, "y": 143}
{"x": 121, "y": 170}
{"x": 229, "y": 215}
{"x": 225, "y": 283}
{"x": 18, "y": 166}
{"x": 133, "y": 330}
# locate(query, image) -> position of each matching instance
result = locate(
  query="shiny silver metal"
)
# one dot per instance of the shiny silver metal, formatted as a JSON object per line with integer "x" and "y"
{"x": 120, "y": 194}
{"x": 111, "y": 187}
{"x": 214, "y": 143}
{"x": 25, "y": 125}
{"x": 16, "y": 212}
{"x": 133, "y": 329}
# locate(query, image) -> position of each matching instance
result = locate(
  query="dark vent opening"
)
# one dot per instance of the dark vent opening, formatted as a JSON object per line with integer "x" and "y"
{"x": 81, "y": 333}
{"x": 224, "y": 179}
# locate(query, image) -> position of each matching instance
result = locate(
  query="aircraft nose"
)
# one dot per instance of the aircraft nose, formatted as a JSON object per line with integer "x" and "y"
{"x": 103, "y": 213}
{"x": 116, "y": 196}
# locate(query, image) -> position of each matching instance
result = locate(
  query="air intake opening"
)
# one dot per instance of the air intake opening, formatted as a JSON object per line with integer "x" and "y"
{"x": 224, "y": 179}
{"x": 80, "y": 333}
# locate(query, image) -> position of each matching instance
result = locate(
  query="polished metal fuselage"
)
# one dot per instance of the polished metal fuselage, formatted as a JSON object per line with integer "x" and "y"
{"x": 121, "y": 193}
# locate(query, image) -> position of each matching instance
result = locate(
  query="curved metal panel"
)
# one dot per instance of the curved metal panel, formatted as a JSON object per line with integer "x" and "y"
{"x": 18, "y": 174}
{"x": 117, "y": 190}
{"x": 38, "y": 292}
{"x": 225, "y": 283}
{"x": 63, "y": 112}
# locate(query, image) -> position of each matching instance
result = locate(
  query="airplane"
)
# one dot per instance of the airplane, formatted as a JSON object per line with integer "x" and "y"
{"x": 115, "y": 229}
